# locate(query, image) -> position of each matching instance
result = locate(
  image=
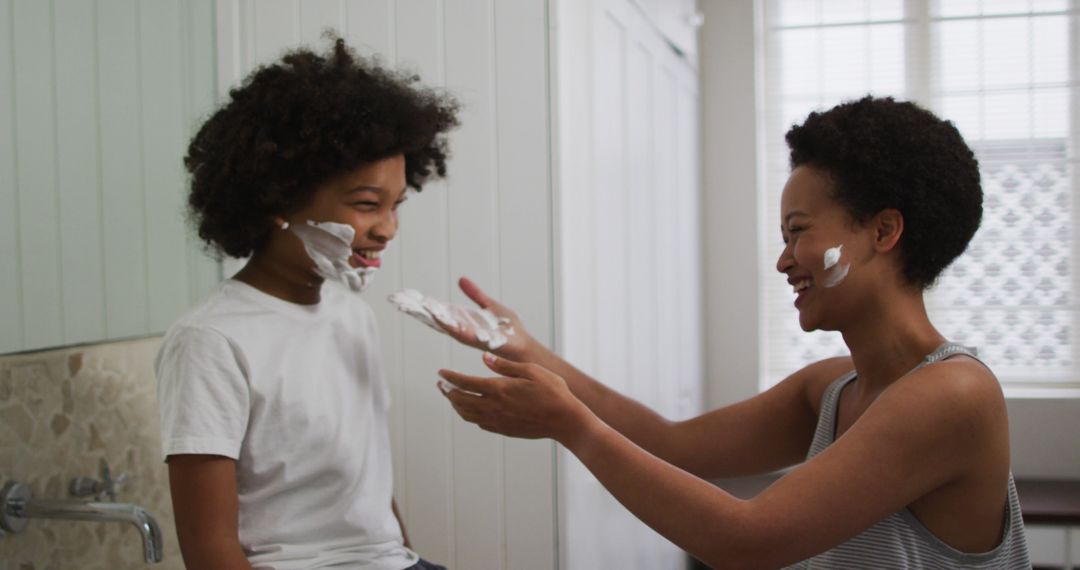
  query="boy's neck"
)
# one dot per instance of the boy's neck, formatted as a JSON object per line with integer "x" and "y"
{"x": 299, "y": 287}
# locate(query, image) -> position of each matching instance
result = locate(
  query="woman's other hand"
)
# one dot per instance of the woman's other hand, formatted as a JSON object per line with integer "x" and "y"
{"x": 527, "y": 401}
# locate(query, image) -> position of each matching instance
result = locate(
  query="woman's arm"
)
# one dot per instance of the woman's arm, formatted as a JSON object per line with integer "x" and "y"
{"x": 918, "y": 436}
{"x": 205, "y": 505}
{"x": 762, "y": 434}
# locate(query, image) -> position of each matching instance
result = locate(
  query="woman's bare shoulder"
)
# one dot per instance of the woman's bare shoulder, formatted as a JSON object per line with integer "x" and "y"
{"x": 816, "y": 377}
{"x": 962, "y": 385}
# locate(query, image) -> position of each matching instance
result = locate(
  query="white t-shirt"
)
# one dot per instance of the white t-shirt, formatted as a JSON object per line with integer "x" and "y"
{"x": 296, "y": 395}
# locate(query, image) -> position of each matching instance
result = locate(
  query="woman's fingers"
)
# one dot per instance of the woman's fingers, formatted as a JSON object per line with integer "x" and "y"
{"x": 475, "y": 384}
{"x": 474, "y": 292}
{"x": 466, "y": 405}
{"x": 512, "y": 369}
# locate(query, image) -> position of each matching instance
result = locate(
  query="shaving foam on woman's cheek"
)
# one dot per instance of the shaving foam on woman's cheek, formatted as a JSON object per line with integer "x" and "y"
{"x": 329, "y": 245}
{"x": 836, "y": 271}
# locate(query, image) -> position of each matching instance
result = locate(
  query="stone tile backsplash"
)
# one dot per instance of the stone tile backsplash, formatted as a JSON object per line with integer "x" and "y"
{"x": 61, "y": 412}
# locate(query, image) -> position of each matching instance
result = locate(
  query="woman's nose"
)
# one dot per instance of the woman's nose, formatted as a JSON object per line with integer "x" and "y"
{"x": 786, "y": 260}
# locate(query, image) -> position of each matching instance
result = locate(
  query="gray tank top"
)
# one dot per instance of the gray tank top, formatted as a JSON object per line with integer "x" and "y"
{"x": 900, "y": 541}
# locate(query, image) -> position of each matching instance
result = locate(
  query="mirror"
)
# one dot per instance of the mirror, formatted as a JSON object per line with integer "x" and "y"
{"x": 101, "y": 100}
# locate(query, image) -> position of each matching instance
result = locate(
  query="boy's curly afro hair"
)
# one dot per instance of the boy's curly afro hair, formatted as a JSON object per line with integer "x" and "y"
{"x": 881, "y": 153}
{"x": 296, "y": 123}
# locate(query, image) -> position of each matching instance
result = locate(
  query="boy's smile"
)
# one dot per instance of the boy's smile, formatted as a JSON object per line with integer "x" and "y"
{"x": 366, "y": 258}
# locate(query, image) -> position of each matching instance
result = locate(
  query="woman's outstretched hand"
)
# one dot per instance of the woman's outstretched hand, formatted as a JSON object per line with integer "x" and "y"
{"x": 517, "y": 344}
{"x": 527, "y": 401}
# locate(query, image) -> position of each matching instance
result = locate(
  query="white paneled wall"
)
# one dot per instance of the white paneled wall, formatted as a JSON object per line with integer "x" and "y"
{"x": 98, "y": 100}
{"x": 470, "y": 499}
{"x": 629, "y": 258}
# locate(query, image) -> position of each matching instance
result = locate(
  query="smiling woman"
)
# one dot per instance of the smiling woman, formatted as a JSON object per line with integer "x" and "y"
{"x": 903, "y": 446}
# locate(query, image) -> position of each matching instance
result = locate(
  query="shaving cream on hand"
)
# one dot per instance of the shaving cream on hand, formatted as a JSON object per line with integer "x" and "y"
{"x": 329, "y": 245}
{"x": 488, "y": 328}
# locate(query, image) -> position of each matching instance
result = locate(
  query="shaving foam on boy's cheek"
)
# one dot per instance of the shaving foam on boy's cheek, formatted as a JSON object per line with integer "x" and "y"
{"x": 836, "y": 271}
{"x": 329, "y": 245}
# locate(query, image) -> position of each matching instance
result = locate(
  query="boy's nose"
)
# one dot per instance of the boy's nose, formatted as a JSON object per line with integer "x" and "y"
{"x": 386, "y": 228}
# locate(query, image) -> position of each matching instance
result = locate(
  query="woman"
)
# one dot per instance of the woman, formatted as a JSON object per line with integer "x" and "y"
{"x": 902, "y": 447}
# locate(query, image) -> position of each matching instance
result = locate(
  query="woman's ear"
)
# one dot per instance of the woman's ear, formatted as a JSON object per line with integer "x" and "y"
{"x": 888, "y": 226}
{"x": 281, "y": 223}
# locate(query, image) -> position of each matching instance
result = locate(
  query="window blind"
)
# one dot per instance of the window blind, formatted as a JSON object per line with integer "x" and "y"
{"x": 1005, "y": 72}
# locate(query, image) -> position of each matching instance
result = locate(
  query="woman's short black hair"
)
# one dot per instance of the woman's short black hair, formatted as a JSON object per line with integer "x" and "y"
{"x": 296, "y": 123}
{"x": 882, "y": 153}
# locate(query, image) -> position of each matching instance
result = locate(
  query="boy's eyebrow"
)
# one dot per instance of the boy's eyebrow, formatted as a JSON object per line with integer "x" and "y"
{"x": 363, "y": 189}
{"x": 375, "y": 189}
{"x": 790, "y": 215}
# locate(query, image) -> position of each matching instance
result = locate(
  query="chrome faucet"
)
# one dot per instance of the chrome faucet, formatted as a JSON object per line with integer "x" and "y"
{"x": 17, "y": 506}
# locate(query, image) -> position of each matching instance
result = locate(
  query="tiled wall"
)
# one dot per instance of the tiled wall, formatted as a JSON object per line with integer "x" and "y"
{"x": 60, "y": 413}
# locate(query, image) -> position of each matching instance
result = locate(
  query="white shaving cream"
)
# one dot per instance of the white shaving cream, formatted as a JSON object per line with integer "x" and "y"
{"x": 837, "y": 272}
{"x": 329, "y": 245}
{"x": 489, "y": 329}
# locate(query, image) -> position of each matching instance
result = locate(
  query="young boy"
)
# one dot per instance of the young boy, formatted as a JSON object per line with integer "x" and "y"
{"x": 273, "y": 401}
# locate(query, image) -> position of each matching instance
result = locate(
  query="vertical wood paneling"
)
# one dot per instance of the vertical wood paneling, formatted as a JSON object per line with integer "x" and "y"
{"x": 578, "y": 490}
{"x": 575, "y": 199}
{"x": 78, "y": 176}
{"x": 318, "y": 15}
{"x": 11, "y": 321}
{"x": 163, "y": 137}
{"x": 232, "y": 36}
{"x": 642, "y": 191}
{"x": 691, "y": 263}
{"x": 424, "y": 260}
{"x": 370, "y": 27}
{"x": 121, "y": 169}
{"x": 525, "y": 255}
{"x": 200, "y": 83}
{"x": 474, "y": 249}
{"x": 610, "y": 185}
{"x": 641, "y": 290}
{"x": 613, "y": 524}
{"x": 667, "y": 261}
{"x": 276, "y": 26}
{"x": 35, "y": 128}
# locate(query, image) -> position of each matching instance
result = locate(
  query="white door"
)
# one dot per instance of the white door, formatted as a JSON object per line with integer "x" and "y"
{"x": 630, "y": 247}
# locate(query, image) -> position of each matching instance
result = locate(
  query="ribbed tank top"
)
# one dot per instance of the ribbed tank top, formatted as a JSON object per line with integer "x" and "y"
{"x": 900, "y": 541}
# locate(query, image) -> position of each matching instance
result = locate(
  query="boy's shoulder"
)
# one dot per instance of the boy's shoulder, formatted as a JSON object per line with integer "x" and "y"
{"x": 235, "y": 310}
{"x": 220, "y": 305}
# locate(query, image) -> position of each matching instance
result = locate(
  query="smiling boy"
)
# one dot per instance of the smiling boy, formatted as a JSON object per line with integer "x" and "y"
{"x": 272, "y": 394}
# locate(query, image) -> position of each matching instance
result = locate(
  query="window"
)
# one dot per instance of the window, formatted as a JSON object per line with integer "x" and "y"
{"x": 1006, "y": 73}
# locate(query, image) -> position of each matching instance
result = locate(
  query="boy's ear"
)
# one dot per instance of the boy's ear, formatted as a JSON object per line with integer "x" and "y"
{"x": 888, "y": 226}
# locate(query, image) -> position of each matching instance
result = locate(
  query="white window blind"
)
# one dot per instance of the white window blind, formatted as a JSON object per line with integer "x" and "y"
{"x": 1006, "y": 73}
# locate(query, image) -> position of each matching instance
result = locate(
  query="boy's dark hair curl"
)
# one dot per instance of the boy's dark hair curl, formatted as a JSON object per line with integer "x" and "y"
{"x": 293, "y": 125}
{"x": 881, "y": 153}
